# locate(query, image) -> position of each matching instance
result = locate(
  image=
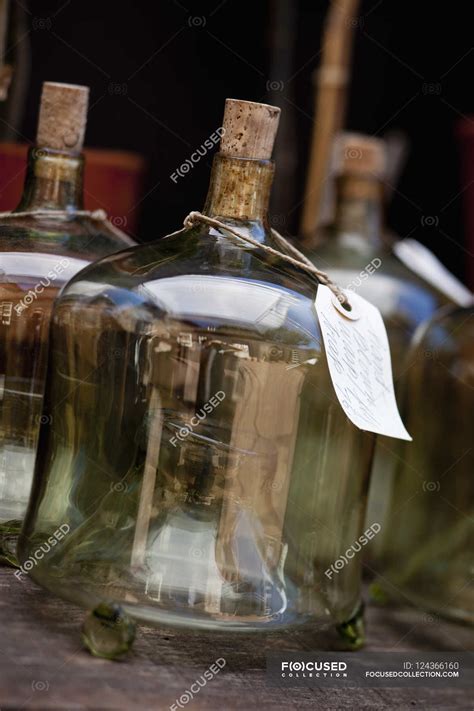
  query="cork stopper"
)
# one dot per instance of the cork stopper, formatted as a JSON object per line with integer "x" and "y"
{"x": 62, "y": 117}
{"x": 249, "y": 129}
{"x": 357, "y": 154}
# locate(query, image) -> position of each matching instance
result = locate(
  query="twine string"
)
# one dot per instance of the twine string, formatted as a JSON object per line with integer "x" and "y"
{"x": 298, "y": 260}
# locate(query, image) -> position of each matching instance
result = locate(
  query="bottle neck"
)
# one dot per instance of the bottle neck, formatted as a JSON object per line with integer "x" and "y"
{"x": 359, "y": 210}
{"x": 239, "y": 191}
{"x": 54, "y": 181}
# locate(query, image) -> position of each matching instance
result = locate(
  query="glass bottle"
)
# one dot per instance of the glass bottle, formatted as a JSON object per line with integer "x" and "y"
{"x": 43, "y": 244}
{"x": 358, "y": 252}
{"x": 429, "y": 557}
{"x": 192, "y": 442}
{"x": 359, "y": 256}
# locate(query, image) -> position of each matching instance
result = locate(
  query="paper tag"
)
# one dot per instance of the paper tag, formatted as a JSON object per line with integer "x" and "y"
{"x": 359, "y": 363}
{"x": 421, "y": 261}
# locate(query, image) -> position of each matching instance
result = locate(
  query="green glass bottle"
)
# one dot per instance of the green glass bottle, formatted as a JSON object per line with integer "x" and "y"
{"x": 43, "y": 244}
{"x": 359, "y": 255}
{"x": 428, "y": 559}
{"x": 358, "y": 252}
{"x": 195, "y": 448}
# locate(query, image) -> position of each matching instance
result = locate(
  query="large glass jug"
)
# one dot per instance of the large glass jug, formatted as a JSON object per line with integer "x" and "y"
{"x": 192, "y": 444}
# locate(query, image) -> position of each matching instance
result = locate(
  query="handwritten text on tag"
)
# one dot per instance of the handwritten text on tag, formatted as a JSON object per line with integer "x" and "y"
{"x": 359, "y": 363}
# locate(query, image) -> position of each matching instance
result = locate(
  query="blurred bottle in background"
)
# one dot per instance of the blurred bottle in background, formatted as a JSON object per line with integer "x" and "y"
{"x": 43, "y": 243}
{"x": 360, "y": 255}
{"x": 428, "y": 555}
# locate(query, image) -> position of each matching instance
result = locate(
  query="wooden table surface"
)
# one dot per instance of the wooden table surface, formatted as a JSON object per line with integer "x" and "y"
{"x": 43, "y": 664}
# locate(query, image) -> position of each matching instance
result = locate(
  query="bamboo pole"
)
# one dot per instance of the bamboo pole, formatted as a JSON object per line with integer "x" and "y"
{"x": 330, "y": 104}
{"x": 5, "y": 70}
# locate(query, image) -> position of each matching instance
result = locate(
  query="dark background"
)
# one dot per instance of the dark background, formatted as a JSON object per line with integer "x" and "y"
{"x": 160, "y": 71}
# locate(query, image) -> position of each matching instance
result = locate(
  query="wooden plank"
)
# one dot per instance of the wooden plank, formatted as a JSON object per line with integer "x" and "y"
{"x": 43, "y": 665}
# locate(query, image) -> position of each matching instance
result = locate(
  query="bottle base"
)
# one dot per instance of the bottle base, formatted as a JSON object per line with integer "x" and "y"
{"x": 347, "y": 634}
{"x": 353, "y": 631}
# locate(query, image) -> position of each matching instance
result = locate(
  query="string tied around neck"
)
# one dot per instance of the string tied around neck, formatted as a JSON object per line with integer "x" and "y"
{"x": 298, "y": 260}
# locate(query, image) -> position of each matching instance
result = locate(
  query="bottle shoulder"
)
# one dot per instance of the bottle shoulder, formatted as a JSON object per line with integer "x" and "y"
{"x": 378, "y": 275}
{"x": 442, "y": 355}
{"x": 353, "y": 252}
{"x": 195, "y": 277}
{"x": 80, "y": 237}
{"x": 356, "y": 253}
{"x": 196, "y": 252}
{"x": 449, "y": 333}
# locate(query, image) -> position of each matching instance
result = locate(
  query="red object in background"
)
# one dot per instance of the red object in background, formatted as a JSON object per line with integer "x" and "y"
{"x": 465, "y": 134}
{"x": 113, "y": 181}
